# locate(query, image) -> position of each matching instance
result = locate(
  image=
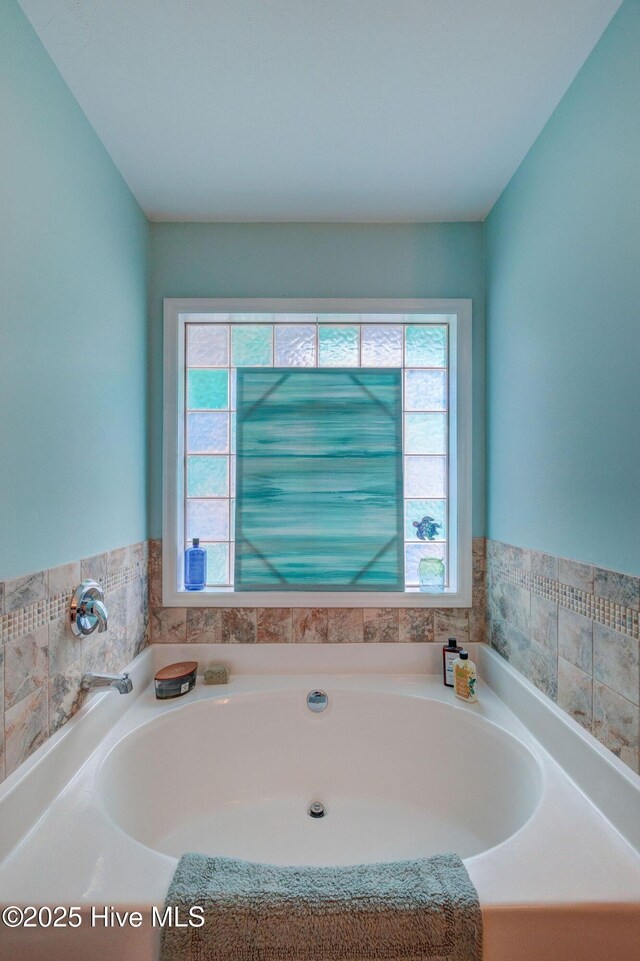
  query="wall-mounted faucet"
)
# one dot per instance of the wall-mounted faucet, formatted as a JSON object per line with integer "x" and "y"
{"x": 88, "y": 610}
{"x": 120, "y": 682}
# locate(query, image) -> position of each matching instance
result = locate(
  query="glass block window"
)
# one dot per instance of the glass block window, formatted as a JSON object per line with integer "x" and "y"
{"x": 218, "y": 345}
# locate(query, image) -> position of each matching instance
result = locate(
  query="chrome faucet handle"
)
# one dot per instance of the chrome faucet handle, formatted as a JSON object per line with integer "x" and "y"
{"x": 100, "y": 612}
{"x": 88, "y": 612}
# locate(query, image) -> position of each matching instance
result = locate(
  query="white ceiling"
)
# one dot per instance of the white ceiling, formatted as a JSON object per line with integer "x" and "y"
{"x": 318, "y": 110}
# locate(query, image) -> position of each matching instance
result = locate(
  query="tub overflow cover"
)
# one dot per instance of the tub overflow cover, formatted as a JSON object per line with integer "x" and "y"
{"x": 317, "y": 701}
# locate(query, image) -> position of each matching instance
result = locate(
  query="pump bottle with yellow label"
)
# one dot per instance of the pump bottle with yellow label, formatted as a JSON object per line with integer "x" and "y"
{"x": 464, "y": 678}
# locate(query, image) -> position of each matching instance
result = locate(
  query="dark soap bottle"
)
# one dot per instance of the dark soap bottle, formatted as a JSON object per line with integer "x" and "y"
{"x": 450, "y": 651}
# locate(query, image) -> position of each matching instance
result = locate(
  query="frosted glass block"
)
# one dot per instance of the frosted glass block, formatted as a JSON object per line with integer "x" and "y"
{"x": 233, "y": 474}
{"x": 416, "y": 511}
{"x": 207, "y": 345}
{"x": 207, "y": 476}
{"x": 381, "y": 346}
{"x": 425, "y": 477}
{"x": 425, "y": 390}
{"x": 208, "y": 519}
{"x": 232, "y": 520}
{"x": 217, "y": 564}
{"x": 413, "y": 554}
{"x": 207, "y": 389}
{"x": 207, "y": 433}
{"x": 233, "y": 432}
{"x": 425, "y": 433}
{"x": 295, "y": 346}
{"x": 233, "y": 379}
{"x": 426, "y": 346}
{"x": 252, "y": 345}
{"x": 339, "y": 346}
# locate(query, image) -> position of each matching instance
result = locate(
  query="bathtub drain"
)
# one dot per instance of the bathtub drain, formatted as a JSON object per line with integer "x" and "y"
{"x": 316, "y": 810}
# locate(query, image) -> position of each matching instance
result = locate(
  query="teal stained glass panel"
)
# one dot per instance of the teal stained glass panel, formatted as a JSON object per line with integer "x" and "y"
{"x": 319, "y": 480}
{"x": 207, "y": 389}
{"x": 252, "y": 345}
{"x": 207, "y": 476}
{"x": 426, "y": 346}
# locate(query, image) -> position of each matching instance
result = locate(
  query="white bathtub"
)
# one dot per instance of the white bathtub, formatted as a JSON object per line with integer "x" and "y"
{"x": 400, "y": 775}
{"x": 100, "y": 814}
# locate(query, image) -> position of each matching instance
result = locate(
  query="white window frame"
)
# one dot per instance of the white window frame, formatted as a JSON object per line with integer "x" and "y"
{"x": 176, "y": 314}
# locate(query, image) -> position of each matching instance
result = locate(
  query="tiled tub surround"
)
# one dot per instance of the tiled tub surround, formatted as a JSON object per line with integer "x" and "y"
{"x": 42, "y": 662}
{"x": 574, "y": 631}
{"x": 250, "y": 625}
{"x": 566, "y": 885}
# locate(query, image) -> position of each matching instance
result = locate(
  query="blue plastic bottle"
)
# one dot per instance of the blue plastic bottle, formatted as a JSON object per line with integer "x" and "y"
{"x": 195, "y": 567}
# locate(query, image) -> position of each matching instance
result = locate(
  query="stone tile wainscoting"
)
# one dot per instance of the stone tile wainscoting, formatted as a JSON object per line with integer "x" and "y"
{"x": 313, "y": 625}
{"x": 42, "y": 662}
{"x": 573, "y": 630}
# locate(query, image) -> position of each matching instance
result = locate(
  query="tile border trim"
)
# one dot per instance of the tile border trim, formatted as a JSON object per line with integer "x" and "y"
{"x": 29, "y": 618}
{"x": 598, "y": 609}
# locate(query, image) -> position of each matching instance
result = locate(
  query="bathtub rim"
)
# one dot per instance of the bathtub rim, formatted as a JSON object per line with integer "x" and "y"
{"x": 612, "y": 787}
{"x": 608, "y": 782}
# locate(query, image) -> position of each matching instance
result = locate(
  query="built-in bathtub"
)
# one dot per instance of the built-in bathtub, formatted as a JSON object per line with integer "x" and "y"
{"x": 547, "y": 821}
{"x": 237, "y": 771}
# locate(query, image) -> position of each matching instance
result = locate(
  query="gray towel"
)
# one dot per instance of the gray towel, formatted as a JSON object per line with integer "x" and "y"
{"x": 422, "y": 910}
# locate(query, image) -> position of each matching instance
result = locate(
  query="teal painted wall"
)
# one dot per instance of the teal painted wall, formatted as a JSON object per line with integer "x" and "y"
{"x": 314, "y": 260}
{"x": 73, "y": 277}
{"x": 563, "y": 288}
{"x": 563, "y": 327}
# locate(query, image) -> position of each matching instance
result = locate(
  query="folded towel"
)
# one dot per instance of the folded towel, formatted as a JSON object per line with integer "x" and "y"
{"x": 421, "y": 910}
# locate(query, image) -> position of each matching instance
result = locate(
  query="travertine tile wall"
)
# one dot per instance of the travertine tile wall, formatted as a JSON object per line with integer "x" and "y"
{"x": 313, "y": 625}
{"x": 570, "y": 628}
{"x": 42, "y": 662}
{"x": 573, "y": 630}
